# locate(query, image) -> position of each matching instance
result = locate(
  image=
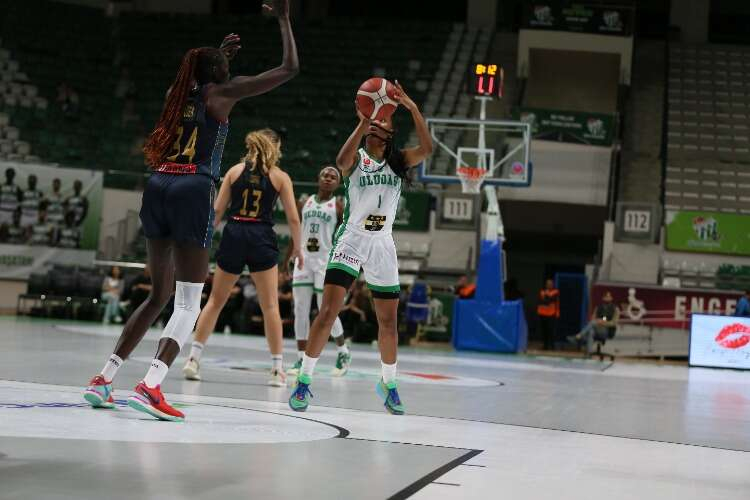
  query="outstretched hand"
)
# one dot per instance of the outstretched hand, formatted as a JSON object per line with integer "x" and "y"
{"x": 279, "y": 8}
{"x": 403, "y": 99}
{"x": 230, "y": 45}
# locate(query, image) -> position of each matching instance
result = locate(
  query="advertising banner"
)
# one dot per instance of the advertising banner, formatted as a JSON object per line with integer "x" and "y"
{"x": 18, "y": 262}
{"x": 664, "y": 307}
{"x": 589, "y": 128}
{"x": 578, "y": 17}
{"x": 49, "y": 206}
{"x": 720, "y": 342}
{"x": 708, "y": 232}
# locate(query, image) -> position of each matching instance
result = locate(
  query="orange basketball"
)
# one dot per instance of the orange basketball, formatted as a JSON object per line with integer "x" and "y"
{"x": 376, "y": 98}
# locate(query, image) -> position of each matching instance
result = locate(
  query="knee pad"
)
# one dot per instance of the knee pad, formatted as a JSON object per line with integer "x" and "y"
{"x": 187, "y": 307}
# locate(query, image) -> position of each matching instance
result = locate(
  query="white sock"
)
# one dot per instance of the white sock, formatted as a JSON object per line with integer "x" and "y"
{"x": 389, "y": 372}
{"x": 277, "y": 361}
{"x": 155, "y": 375}
{"x": 308, "y": 365}
{"x": 111, "y": 366}
{"x": 196, "y": 349}
{"x": 342, "y": 348}
{"x": 300, "y": 355}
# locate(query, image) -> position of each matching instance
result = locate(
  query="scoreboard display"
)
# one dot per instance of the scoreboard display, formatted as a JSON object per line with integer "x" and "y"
{"x": 485, "y": 80}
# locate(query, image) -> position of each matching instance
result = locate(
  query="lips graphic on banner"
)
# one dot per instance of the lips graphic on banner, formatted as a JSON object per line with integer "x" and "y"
{"x": 733, "y": 336}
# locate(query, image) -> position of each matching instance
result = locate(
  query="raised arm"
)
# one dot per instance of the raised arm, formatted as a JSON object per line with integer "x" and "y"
{"x": 414, "y": 156}
{"x": 286, "y": 194}
{"x": 347, "y": 156}
{"x": 247, "y": 86}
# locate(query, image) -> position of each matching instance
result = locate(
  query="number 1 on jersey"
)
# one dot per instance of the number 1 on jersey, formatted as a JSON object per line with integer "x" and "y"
{"x": 380, "y": 199}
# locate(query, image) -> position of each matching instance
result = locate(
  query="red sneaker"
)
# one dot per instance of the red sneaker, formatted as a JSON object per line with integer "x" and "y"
{"x": 151, "y": 401}
{"x": 99, "y": 393}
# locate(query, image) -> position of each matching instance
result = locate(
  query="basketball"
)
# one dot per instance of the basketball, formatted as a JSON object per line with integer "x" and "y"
{"x": 376, "y": 98}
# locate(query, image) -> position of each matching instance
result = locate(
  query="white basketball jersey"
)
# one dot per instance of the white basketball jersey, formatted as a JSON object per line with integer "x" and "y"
{"x": 318, "y": 225}
{"x": 372, "y": 194}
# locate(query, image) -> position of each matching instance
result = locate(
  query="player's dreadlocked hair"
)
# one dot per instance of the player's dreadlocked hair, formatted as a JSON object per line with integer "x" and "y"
{"x": 263, "y": 150}
{"x": 394, "y": 156}
{"x": 197, "y": 67}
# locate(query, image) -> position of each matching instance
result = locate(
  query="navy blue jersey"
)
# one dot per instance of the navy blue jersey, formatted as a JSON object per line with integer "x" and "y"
{"x": 253, "y": 198}
{"x": 200, "y": 140}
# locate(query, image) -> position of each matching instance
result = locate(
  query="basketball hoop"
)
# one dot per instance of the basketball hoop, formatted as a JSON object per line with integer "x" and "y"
{"x": 471, "y": 178}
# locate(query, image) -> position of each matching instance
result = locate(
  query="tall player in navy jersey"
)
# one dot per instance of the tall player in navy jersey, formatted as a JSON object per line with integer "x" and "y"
{"x": 184, "y": 151}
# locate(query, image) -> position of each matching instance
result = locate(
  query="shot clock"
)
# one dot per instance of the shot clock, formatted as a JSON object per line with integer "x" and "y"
{"x": 485, "y": 80}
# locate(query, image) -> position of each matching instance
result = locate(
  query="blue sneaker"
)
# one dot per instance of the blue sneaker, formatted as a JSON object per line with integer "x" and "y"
{"x": 300, "y": 398}
{"x": 99, "y": 393}
{"x": 389, "y": 394}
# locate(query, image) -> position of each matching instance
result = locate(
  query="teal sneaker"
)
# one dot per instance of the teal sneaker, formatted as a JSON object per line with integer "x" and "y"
{"x": 299, "y": 400}
{"x": 389, "y": 393}
{"x": 343, "y": 360}
{"x": 99, "y": 393}
{"x": 295, "y": 369}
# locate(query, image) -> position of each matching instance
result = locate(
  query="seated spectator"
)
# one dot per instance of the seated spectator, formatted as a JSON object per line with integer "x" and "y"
{"x": 357, "y": 315}
{"x": 111, "y": 291}
{"x": 743, "y": 306}
{"x": 603, "y": 324}
{"x": 464, "y": 289}
{"x": 139, "y": 289}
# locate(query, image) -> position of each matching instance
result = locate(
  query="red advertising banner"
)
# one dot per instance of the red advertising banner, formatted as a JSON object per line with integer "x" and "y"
{"x": 664, "y": 307}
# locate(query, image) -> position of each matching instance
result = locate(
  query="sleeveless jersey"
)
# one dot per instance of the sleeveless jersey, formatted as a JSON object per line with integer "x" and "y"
{"x": 372, "y": 194}
{"x": 77, "y": 204}
{"x": 41, "y": 234}
{"x": 16, "y": 235}
{"x": 8, "y": 197}
{"x": 318, "y": 224}
{"x": 55, "y": 209}
{"x": 69, "y": 237}
{"x": 253, "y": 198}
{"x": 200, "y": 140}
{"x": 30, "y": 201}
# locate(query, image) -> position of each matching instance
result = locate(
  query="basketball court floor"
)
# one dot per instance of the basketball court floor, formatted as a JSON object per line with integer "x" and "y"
{"x": 478, "y": 426}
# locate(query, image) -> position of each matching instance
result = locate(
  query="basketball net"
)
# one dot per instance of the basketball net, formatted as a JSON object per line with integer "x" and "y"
{"x": 471, "y": 179}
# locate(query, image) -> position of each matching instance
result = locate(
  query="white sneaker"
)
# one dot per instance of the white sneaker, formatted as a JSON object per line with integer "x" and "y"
{"x": 278, "y": 378}
{"x": 192, "y": 370}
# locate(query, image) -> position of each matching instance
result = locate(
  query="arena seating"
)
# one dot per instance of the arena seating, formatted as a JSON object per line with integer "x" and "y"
{"x": 314, "y": 111}
{"x": 709, "y": 135}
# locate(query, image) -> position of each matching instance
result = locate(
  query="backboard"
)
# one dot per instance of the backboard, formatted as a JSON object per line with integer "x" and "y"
{"x": 502, "y": 147}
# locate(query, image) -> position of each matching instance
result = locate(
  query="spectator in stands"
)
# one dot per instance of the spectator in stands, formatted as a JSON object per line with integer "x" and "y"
{"x": 14, "y": 233}
{"x": 357, "y": 315}
{"x": 548, "y": 310}
{"x": 111, "y": 291}
{"x": 67, "y": 99}
{"x": 603, "y": 324}
{"x": 140, "y": 287}
{"x": 250, "y": 304}
{"x": 55, "y": 204}
{"x": 42, "y": 233}
{"x": 464, "y": 288}
{"x": 743, "y": 306}
{"x": 68, "y": 236}
{"x": 78, "y": 203}
{"x": 10, "y": 197}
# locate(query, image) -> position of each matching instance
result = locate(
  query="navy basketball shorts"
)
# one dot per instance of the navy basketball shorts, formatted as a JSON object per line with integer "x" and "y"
{"x": 179, "y": 208}
{"x": 247, "y": 243}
